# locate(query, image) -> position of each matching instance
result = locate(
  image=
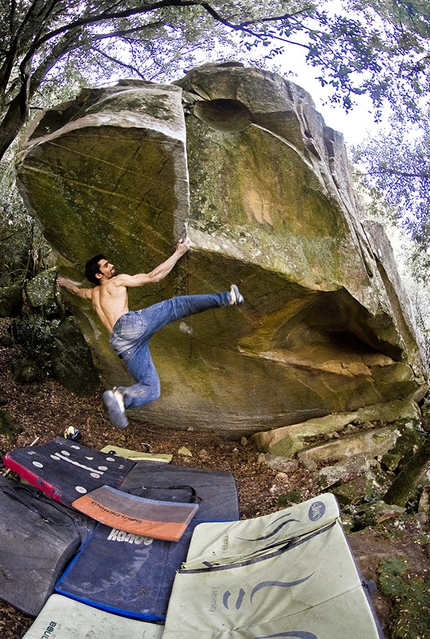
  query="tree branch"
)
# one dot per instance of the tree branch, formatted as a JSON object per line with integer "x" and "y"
{"x": 125, "y": 32}
{"x": 382, "y": 171}
{"x": 141, "y": 10}
{"x": 130, "y": 67}
{"x": 243, "y": 25}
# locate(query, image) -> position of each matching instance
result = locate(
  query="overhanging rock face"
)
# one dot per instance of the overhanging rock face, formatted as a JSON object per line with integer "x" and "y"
{"x": 325, "y": 327}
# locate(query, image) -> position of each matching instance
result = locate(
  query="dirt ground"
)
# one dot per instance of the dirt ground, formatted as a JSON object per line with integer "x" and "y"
{"x": 45, "y": 409}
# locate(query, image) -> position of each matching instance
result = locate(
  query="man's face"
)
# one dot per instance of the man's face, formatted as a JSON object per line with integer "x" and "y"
{"x": 106, "y": 269}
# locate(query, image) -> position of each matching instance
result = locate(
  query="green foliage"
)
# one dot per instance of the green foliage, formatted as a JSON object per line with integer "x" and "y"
{"x": 394, "y": 176}
{"x": 23, "y": 249}
{"x": 286, "y": 499}
{"x": 397, "y": 165}
{"x": 35, "y": 335}
{"x": 410, "y": 599}
{"x": 390, "y": 580}
{"x": 377, "y": 48}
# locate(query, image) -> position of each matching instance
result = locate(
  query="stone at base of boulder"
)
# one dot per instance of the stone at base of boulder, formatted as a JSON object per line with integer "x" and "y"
{"x": 374, "y": 443}
{"x": 375, "y": 513}
{"x": 290, "y": 440}
{"x": 354, "y": 491}
{"x": 424, "y": 504}
{"x": 278, "y": 463}
{"x": 347, "y": 470}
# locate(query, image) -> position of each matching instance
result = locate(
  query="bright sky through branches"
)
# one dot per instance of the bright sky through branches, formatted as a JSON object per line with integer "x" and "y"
{"x": 355, "y": 124}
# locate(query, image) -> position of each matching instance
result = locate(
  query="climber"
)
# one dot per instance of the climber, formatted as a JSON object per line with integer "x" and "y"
{"x": 130, "y": 331}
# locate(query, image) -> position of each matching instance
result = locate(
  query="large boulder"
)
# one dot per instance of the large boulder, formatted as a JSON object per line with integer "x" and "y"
{"x": 71, "y": 360}
{"x": 10, "y": 300}
{"x": 270, "y": 206}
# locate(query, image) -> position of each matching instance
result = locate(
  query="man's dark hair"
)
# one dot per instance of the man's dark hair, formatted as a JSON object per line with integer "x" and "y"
{"x": 92, "y": 268}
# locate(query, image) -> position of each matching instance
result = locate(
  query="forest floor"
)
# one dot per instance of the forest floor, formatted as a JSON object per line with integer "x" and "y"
{"x": 45, "y": 409}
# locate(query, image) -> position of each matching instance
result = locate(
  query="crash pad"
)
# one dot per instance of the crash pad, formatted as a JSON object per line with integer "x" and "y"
{"x": 158, "y": 519}
{"x": 125, "y": 573}
{"x": 288, "y": 574}
{"x": 63, "y": 618}
{"x": 38, "y": 537}
{"x": 65, "y": 470}
{"x": 216, "y": 489}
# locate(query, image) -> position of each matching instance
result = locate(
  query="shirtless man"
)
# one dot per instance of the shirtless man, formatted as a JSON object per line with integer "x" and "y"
{"x": 130, "y": 331}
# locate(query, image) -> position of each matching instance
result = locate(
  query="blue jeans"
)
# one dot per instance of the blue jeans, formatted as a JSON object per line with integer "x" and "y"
{"x": 133, "y": 330}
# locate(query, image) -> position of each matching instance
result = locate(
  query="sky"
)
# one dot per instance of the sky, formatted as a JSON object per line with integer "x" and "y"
{"x": 355, "y": 125}
{"x": 358, "y": 122}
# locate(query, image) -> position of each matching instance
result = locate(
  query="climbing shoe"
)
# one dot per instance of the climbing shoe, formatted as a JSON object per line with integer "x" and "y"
{"x": 236, "y": 297}
{"x": 115, "y": 407}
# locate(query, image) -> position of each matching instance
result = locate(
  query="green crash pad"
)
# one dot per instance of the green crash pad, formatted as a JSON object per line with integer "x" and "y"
{"x": 287, "y": 574}
{"x": 64, "y": 618}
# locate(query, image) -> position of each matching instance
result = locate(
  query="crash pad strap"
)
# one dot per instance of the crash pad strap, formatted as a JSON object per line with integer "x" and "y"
{"x": 164, "y": 493}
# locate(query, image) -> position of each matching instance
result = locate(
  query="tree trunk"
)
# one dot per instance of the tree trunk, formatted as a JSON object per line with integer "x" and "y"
{"x": 407, "y": 480}
{"x": 12, "y": 123}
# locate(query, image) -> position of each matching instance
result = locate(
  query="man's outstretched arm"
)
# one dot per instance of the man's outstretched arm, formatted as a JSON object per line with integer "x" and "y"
{"x": 158, "y": 273}
{"x": 86, "y": 293}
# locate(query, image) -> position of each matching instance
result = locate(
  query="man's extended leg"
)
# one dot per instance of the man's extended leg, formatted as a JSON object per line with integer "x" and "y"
{"x": 176, "y": 308}
{"x": 130, "y": 340}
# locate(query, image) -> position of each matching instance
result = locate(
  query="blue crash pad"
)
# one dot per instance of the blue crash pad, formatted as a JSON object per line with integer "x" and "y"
{"x": 126, "y": 573}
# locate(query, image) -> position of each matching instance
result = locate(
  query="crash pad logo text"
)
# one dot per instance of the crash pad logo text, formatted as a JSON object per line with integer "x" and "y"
{"x": 131, "y": 538}
{"x": 316, "y": 510}
{"x": 214, "y": 600}
{"x": 49, "y": 630}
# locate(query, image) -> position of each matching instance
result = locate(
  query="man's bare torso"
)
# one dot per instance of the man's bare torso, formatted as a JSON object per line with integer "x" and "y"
{"x": 110, "y": 302}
